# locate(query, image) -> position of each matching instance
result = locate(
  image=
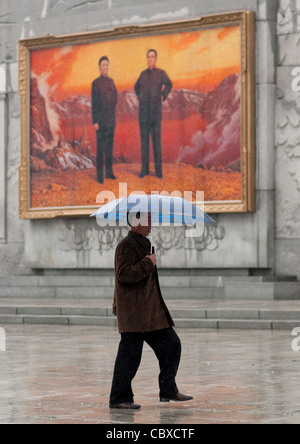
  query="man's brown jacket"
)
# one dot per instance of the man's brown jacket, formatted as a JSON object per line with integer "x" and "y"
{"x": 138, "y": 301}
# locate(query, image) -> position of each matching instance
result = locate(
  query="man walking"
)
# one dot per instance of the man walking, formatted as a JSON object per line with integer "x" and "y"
{"x": 152, "y": 87}
{"x": 104, "y": 102}
{"x": 142, "y": 316}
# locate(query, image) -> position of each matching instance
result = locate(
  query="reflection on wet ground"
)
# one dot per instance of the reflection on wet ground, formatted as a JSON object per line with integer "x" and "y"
{"x": 61, "y": 374}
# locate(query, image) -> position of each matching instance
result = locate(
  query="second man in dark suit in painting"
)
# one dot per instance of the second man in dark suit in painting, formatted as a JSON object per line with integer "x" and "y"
{"x": 104, "y": 103}
{"x": 152, "y": 87}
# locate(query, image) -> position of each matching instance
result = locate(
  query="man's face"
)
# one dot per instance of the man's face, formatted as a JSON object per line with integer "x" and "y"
{"x": 143, "y": 225}
{"x": 146, "y": 225}
{"x": 151, "y": 58}
{"x": 104, "y": 67}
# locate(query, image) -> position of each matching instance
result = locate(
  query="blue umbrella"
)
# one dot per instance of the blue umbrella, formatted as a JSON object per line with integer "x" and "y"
{"x": 164, "y": 209}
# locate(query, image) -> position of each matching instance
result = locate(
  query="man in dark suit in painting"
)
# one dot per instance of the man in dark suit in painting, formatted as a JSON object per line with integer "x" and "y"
{"x": 152, "y": 87}
{"x": 104, "y": 102}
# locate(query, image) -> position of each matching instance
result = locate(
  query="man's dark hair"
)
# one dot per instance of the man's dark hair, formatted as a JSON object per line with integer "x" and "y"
{"x": 152, "y": 50}
{"x": 138, "y": 216}
{"x": 102, "y": 60}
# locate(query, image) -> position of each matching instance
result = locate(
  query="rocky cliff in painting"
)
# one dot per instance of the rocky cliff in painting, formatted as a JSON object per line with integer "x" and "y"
{"x": 47, "y": 154}
{"x": 219, "y": 144}
{"x": 76, "y": 154}
{"x": 40, "y": 128}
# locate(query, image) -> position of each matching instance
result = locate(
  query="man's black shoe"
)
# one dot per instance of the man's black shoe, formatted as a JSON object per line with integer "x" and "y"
{"x": 142, "y": 175}
{"x": 177, "y": 398}
{"x": 125, "y": 406}
{"x": 111, "y": 176}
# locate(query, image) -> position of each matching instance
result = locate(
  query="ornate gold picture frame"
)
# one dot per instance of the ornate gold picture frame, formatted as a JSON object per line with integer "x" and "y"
{"x": 202, "y": 128}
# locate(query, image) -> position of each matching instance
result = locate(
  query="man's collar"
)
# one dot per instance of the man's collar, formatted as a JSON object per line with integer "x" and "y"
{"x": 138, "y": 236}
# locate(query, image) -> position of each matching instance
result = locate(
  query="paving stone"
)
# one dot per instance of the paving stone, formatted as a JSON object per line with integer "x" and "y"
{"x": 38, "y": 310}
{"x": 44, "y": 320}
{"x": 85, "y": 292}
{"x": 189, "y": 314}
{"x": 232, "y": 314}
{"x": 285, "y": 325}
{"x": 8, "y": 310}
{"x": 21, "y": 281}
{"x": 196, "y": 323}
{"x": 92, "y": 320}
{"x": 27, "y": 292}
{"x": 277, "y": 314}
{"x": 247, "y": 290}
{"x": 10, "y": 319}
{"x": 84, "y": 311}
{"x": 207, "y": 281}
{"x": 75, "y": 281}
{"x": 187, "y": 293}
{"x": 245, "y": 324}
{"x": 284, "y": 290}
{"x": 175, "y": 281}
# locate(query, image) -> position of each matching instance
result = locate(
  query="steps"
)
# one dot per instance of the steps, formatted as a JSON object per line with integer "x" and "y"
{"x": 264, "y": 315}
{"x": 175, "y": 287}
{"x": 239, "y": 302}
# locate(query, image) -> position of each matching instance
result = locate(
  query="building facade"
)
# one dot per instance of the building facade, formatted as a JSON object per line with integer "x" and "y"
{"x": 264, "y": 242}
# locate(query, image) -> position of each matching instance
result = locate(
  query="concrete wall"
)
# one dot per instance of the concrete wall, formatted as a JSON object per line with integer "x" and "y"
{"x": 288, "y": 139}
{"x": 239, "y": 241}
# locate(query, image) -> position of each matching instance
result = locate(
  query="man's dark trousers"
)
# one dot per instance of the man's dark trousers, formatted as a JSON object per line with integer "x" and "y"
{"x": 167, "y": 348}
{"x": 151, "y": 127}
{"x": 105, "y": 143}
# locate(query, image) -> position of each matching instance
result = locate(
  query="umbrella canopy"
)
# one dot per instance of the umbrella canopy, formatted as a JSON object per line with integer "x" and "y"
{"x": 163, "y": 209}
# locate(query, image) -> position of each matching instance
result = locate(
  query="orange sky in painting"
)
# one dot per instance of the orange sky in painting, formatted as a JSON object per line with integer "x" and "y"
{"x": 197, "y": 60}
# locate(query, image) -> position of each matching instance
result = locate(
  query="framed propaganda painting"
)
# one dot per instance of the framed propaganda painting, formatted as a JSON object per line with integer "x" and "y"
{"x": 166, "y": 107}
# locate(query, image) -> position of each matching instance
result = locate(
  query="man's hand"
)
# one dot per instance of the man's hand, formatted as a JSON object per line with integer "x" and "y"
{"x": 96, "y": 126}
{"x": 153, "y": 259}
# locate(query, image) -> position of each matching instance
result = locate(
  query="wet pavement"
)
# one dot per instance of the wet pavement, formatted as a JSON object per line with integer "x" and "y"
{"x": 62, "y": 375}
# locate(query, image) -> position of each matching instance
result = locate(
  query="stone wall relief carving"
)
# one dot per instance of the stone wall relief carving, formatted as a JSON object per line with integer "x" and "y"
{"x": 3, "y": 132}
{"x": 85, "y": 237}
{"x": 288, "y": 155}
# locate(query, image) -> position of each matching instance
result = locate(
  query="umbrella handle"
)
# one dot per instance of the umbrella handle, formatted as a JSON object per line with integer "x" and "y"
{"x": 152, "y": 246}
